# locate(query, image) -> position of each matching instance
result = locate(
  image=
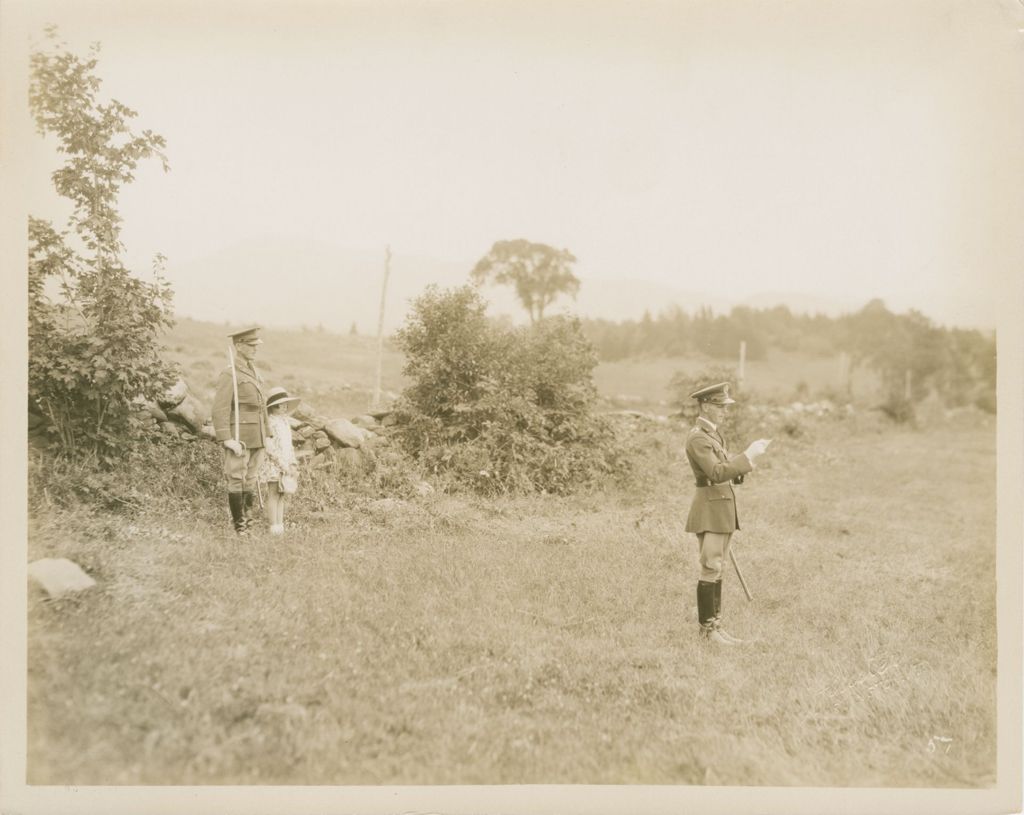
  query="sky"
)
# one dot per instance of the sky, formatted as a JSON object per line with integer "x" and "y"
{"x": 842, "y": 150}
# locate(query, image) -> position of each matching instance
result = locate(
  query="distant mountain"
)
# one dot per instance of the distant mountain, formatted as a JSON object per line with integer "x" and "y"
{"x": 291, "y": 283}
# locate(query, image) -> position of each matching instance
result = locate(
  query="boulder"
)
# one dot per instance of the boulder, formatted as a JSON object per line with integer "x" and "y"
{"x": 304, "y": 414}
{"x": 345, "y": 433}
{"x": 365, "y": 421}
{"x": 321, "y": 440}
{"x": 174, "y": 395}
{"x": 208, "y": 432}
{"x": 170, "y": 428}
{"x": 59, "y": 576}
{"x": 152, "y": 409}
{"x": 189, "y": 412}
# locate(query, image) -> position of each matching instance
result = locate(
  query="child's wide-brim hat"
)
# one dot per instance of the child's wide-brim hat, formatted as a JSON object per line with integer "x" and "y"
{"x": 279, "y": 396}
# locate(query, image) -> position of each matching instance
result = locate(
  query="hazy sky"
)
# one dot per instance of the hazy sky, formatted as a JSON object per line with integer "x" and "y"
{"x": 844, "y": 149}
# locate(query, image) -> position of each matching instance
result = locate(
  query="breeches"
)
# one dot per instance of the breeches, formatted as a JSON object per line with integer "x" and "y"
{"x": 241, "y": 470}
{"x": 714, "y": 549}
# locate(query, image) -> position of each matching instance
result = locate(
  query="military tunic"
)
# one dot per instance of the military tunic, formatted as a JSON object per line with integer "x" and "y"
{"x": 713, "y": 508}
{"x": 253, "y": 424}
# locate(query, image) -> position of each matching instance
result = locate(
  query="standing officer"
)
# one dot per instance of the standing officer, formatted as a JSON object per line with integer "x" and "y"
{"x": 241, "y": 425}
{"x": 713, "y": 511}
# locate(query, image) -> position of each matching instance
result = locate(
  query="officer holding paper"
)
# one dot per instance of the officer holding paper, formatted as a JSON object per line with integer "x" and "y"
{"x": 713, "y": 515}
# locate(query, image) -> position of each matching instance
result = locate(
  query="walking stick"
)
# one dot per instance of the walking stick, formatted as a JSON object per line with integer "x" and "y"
{"x": 234, "y": 388}
{"x": 739, "y": 574}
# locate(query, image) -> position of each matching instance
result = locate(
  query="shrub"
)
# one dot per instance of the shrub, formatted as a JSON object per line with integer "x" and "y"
{"x": 93, "y": 327}
{"x": 500, "y": 409}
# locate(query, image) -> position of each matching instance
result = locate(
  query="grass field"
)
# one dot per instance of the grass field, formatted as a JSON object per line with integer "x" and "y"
{"x": 336, "y": 373}
{"x": 540, "y": 640}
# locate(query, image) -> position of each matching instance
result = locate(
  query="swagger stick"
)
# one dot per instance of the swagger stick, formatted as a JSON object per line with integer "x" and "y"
{"x": 739, "y": 574}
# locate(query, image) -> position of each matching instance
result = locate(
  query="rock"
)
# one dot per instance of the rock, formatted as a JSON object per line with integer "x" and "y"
{"x": 59, "y": 576}
{"x": 321, "y": 440}
{"x": 389, "y": 420}
{"x": 345, "y": 433}
{"x": 208, "y": 432}
{"x": 423, "y": 489}
{"x": 303, "y": 454}
{"x": 152, "y": 409}
{"x": 307, "y": 415}
{"x": 294, "y": 423}
{"x": 365, "y": 421}
{"x": 306, "y": 431}
{"x": 189, "y": 412}
{"x": 174, "y": 395}
{"x": 170, "y": 428}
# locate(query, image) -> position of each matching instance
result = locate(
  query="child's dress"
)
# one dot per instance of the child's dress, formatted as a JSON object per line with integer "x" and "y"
{"x": 278, "y": 455}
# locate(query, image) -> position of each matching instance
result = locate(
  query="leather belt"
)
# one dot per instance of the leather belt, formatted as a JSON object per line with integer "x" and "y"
{"x": 704, "y": 482}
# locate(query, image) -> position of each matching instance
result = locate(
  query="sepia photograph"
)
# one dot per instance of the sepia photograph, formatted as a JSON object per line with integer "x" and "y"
{"x": 486, "y": 406}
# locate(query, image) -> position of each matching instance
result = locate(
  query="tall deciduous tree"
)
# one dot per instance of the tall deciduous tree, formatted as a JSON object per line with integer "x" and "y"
{"x": 538, "y": 272}
{"x": 93, "y": 327}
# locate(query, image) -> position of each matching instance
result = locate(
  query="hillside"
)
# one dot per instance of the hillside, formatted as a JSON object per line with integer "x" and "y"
{"x": 336, "y": 372}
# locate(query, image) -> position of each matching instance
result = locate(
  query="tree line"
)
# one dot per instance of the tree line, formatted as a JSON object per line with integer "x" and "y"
{"x": 910, "y": 353}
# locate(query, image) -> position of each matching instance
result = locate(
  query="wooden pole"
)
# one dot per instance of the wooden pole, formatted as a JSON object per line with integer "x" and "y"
{"x": 743, "y": 362}
{"x": 380, "y": 326}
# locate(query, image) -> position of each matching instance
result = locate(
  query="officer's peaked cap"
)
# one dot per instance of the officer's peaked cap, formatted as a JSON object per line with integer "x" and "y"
{"x": 250, "y": 334}
{"x": 714, "y": 394}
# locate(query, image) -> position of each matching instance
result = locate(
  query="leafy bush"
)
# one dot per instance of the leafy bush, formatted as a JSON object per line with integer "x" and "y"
{"x": 93, "y": 327}
{"x": 500, "y": 409}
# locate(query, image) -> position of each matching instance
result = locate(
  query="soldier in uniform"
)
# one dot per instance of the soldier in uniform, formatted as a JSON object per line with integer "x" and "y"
{"x": 243, "y": 440}
{"x": 713, "y": 514}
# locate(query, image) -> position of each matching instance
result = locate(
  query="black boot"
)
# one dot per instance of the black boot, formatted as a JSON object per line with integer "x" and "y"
{"x": 236, "y": 503}
{"x": 706, "y": 613}
{"x": 718, "y": 616}
{"x": 247, "y": 505}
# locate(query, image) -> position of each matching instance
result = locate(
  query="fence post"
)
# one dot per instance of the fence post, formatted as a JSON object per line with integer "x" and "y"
{"x": 380, "y": 326}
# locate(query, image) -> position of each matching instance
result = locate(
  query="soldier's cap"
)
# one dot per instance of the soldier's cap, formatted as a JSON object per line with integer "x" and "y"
{"x": 714, "y": 394}
{"x": 279, "y": 396}
{"x": 250, "y": 335}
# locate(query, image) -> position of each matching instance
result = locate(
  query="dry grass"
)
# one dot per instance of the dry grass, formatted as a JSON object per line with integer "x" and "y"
{"x": 540, "y": 640}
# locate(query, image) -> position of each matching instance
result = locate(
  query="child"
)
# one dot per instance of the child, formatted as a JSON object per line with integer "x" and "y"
{"x": 279, "y": 468}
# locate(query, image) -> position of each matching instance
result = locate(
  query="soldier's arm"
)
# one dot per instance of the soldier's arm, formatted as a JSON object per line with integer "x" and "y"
{"x": 222, "y": 399}
{"x": 702, "y": 451}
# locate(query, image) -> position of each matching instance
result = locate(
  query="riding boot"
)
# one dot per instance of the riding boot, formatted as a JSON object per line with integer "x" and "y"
{"x": 247, "y": 505}
{"x": 718, "y": 616}
{"x": 236, "y": 503}
{"x": 706, "y": 613}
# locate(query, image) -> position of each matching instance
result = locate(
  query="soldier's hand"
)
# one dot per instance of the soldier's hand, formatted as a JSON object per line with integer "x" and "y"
{"x": 235, "y": 447}
{"x": 757, "y": 448}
